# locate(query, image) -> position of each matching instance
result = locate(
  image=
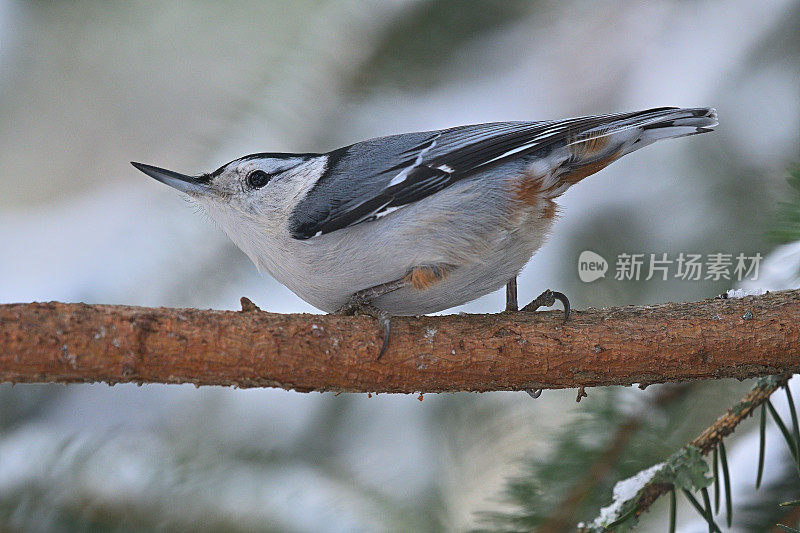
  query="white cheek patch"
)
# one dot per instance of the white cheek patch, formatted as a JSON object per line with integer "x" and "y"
{"x": 303, "y": 178}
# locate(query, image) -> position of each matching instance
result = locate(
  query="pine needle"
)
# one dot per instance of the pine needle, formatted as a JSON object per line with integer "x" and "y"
{"x": 795, "y": 429}
{"x": 727, "y": 483}
{"x": 704, "y": 512}
{"x": 715, "y": 475}
{"x": 762, "y": 444}
{"x": 673, "y": 510}
{"x": 786, "y": 434}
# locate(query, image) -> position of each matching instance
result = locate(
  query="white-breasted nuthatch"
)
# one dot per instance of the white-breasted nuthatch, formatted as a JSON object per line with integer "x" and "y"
{"x": 418, "y": 222}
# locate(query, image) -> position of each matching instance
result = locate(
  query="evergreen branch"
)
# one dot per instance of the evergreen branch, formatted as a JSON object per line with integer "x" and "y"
{"x": 741, "y": 338}
{"x": 562, "y": 516}
{"x": 686, "y": 469}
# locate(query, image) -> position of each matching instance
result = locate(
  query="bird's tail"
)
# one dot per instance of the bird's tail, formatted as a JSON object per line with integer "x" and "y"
{"x": 669, "y": 124}
{"x": 595, "y": 142}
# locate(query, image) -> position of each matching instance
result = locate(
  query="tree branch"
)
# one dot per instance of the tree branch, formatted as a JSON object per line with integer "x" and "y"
{"x": 664, "y": 479}
{"x": 721, "y": 428}
{"x": 739, "y": 338}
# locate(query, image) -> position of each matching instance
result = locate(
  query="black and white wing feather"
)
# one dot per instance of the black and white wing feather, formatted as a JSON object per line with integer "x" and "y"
{"x": 371, "y": 179}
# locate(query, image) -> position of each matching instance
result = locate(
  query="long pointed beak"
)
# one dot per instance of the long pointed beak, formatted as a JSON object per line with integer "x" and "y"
{"x": 182, "y": 182}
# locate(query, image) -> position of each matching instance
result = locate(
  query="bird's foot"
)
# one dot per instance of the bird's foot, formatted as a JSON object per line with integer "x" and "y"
{"x": 357, "y": 305}
{"x": 548, "y": 299}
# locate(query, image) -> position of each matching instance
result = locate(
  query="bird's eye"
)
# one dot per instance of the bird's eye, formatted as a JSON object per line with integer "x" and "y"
{"x": 257, "y": 179}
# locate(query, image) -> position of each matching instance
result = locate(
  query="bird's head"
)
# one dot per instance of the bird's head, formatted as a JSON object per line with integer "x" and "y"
{"x": 259, "y": 189}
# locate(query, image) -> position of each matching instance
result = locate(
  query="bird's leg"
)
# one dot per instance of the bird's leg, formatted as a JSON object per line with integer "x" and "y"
{"x": 365, "y": 296}
{"x": 420, "y": 278}
{"x": 512, "y": 304}
{"x": 361, "y": 303}
{"x": 547, "y": 299}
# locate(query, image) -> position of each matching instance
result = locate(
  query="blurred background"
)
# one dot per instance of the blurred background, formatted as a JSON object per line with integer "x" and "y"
{"x": 87, "y": 86}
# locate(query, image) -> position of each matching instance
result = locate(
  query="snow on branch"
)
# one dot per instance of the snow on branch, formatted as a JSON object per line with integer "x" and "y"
{"x": 66, "y": 343}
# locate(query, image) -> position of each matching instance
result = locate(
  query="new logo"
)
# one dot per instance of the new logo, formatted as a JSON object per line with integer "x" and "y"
{"x": 591, "y": 266}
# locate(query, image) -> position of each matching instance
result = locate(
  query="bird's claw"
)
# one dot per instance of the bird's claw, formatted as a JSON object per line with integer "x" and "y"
{"x": 548, "y": 299}
{"x": 360, "y": 306}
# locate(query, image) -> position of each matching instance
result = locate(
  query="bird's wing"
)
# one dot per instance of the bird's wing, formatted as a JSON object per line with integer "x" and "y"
{"x": 368, "y": 180}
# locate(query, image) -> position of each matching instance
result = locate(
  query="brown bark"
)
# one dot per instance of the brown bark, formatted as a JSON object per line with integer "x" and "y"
{"x": 56, "y": 342}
